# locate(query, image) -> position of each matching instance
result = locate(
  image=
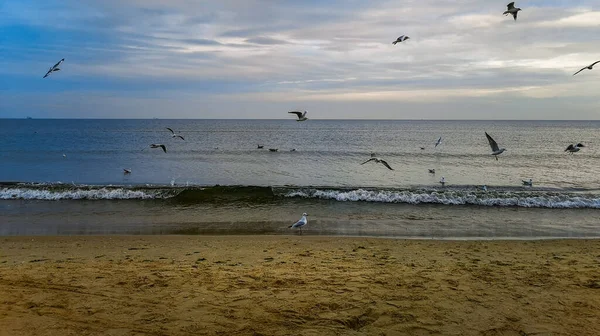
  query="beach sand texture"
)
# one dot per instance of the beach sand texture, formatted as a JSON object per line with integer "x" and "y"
{"x": 293, "y": 285}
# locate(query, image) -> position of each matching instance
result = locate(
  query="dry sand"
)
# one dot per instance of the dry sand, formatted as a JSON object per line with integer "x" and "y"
{"x": 277, "y": 285}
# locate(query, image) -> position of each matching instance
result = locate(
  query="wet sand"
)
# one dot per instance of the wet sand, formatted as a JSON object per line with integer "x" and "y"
{"x": 293, "y": 285}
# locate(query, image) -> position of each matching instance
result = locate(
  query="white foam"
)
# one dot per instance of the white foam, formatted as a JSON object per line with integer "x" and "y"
{"x": 76, "y": 194}
{"x": 543, "y": 200}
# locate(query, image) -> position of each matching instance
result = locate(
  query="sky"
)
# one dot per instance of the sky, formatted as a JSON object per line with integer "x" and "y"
{"x": 262, "y": 58}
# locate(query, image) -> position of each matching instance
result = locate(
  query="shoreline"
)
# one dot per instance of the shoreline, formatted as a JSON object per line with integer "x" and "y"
{"x": 181, "y": 285}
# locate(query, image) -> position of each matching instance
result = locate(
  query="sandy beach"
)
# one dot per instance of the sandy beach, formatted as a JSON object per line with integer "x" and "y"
{"x": 293, "y": 285}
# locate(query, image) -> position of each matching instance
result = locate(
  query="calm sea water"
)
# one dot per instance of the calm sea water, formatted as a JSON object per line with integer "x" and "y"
{"x": 328, "y": 152}
{"x": 86, "y": 192}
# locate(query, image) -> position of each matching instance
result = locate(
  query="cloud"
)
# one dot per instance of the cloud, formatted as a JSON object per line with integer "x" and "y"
{"x": 289, "y": 52}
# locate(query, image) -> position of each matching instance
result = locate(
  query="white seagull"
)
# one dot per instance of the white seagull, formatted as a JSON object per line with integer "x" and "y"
{"x": 438, "y": 142}
{"x": 443, "y": 181}
{"x": 301, "y": 116}
{"x": 299, "y": 224}
{"x": 527, "y": 183}
{"x": 574, "y": 148}
{"x": 589, "y": 67}
{"x": 512, "y": 10}
{"x": 54, "y": 68}
{"x": 175, "y": 135}
{"x": 164, "y": 148}
{"x": 401, "y": 39}
{"x": 495, "y": 149}
{"x": 378, "y": 160}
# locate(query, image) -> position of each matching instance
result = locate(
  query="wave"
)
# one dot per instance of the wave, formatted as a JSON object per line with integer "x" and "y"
{"x": 465, "y": 195}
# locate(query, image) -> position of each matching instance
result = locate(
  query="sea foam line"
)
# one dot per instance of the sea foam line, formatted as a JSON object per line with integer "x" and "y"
{"x": 76, "y": 194}
{"x": 543, "y": 200}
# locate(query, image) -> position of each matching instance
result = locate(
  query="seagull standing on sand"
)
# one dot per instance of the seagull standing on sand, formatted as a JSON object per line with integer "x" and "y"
{"x": 54, "y": 68}
{"x": 301, "y": 116}
{"x": 438, "y": 142}
{"x": 401, "y": 39}
{"x": 574, "y": 148}
{"x": 495, "y": 149}
{"x": 299, "y": 224}
{"x": 175, "y": 135}
{"x": 512, "y": 10}
{"x": 378, "y": 160}
{"x": 527, "y": 183}
{"x": 164, "y": 148}
{"x": 589, "y": 67}
{"x": 443, "y": 181}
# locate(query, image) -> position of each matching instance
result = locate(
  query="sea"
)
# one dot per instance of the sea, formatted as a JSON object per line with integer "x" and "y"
{"x": 66, "y": 177}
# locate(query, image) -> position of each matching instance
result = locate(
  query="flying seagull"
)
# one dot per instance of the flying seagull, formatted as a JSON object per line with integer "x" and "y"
{"x": 495, "y": 149}
{"x": 301, "y": 116}
{"x": 432, "y": 171}
{"x": 126, "y": 171}
{"x": 527, "y": 183}
{"x": 574, "y": 148}
{"x": 378, "y": 160}
{"x": 164, "y": 148}
{"x": 401, "y": 39}
{"x": 175, "y": 135}
{"x": 512, "y": 10}
{"x": 299, "y": 224}
{"x": 589, "y": 67}
{"x": 438, "y": 142}
{"x": 54, "y": 68}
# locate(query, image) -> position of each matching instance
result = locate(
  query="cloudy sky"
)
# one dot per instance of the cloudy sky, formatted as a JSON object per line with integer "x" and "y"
{"x": 261, "y": 58}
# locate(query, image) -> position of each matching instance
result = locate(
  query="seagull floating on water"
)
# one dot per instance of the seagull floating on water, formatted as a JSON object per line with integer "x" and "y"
{"x": 495, "y": 149}
{"x": 438, "y": 142}
{"x": 293, "y": 150}
{"x": 175, "y": 135}
{"x": 273, "y": 149}
{"x": 54, "y": 68}
{"x": 512, "y": 10}
{"x": 164, "y": 148}
{"x": 299, "y": 224}
{"x": 378, "y": 160}
{"x": 260, "y": 146}
{"x": 401, "y": 39}
{"x": 527, "y": 183}
{"x": 301, "y": 116}
{"x": 126, "y": 171}
{"x": 589, "y": 67}
{"x": 574, "y": 148}
{"x": 65, "y": 155}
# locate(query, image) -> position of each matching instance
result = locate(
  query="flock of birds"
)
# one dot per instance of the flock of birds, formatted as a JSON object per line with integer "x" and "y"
{"x": 301, "y": 116}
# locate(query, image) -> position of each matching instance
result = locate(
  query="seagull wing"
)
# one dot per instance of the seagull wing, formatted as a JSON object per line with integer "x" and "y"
{"x": 369, "y": 160}
{"x": 48, "y": 73}
{"x": 386, "y": 164}
{"x": 164, "y": 148}
{"x": 179, "y": 136}
{"x": 170, "y": 130}
{"x": 580, "y": 71}
{"x": 570, "y": 147}
{"x": 510, "y": 5}
{"x": 57, "y": 64}
{"x": 492, "y": 142}
{"x": 299, "y": 114}
{"x": 579, "y": 145}
{"x": 594, "y": 63}
{"x": 439, "y": 141}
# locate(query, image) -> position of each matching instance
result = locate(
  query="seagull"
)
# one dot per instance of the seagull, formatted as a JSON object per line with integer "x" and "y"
{"x": 299, "y": 224}
{"x": 126, "y": 171}
{"x": 438, "y": 142}
{"x": 175, "y": 135}
{"x": 401, "y": 39}
{"x": 260, "y": 146}
{"x": 65, "y": 156}
{"x": 54, "y": 68}
{"x": 293, "y": 150}
{"x": 512, "y": 10}
{"x": 422, "y": 148}
{"x": 527, "y": 183}
{"x": 443, "y": 181}
{"x": 574, "y": 148}
{"x": 378, "y": 160}
{"x": 432, "y": 171}
{"x": 495, "y": 150}
{"x": 589, "y": 67}
{"x": 273, "y": 149}
{"x": 301, "y": 116}
{"x": 484, "y": 188}
{"x": 164, "y": 148}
